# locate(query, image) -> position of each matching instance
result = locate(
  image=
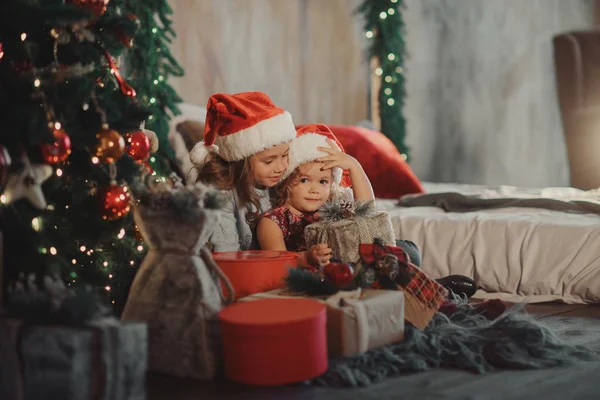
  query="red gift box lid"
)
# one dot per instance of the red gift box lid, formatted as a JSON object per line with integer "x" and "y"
{"x": 255, "y": 271}
{"x": 272, "y": 317}
{"x": 254, "y": 255}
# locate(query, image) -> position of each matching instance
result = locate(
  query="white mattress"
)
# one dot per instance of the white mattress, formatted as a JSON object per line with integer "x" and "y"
{"x": 516, "y": 254}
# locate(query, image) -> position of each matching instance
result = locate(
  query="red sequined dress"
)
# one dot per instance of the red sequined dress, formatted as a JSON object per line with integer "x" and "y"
{"x": 292, "y": 225}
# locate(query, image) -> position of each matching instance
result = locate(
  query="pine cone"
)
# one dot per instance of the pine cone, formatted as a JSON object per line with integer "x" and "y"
{"x": 347, "y": 208}
{"x": 389, "y": 266}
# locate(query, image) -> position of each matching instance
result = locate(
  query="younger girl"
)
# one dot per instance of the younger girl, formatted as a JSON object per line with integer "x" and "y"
{"x": 244, "y": 152}
{"x": 313, "y": 176}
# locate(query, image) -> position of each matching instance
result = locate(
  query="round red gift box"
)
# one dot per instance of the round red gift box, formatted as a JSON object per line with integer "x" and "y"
{"x": 255, "y": 271}
{"x": 274, "y": 341}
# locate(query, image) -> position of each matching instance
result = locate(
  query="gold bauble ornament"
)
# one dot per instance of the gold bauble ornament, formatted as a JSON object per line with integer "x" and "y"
{"x": 110, "y": 147}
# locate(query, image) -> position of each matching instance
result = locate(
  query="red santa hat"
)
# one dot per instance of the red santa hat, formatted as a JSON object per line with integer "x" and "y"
{"x": 304, "y": 149}
{"x": 240, "y": 125}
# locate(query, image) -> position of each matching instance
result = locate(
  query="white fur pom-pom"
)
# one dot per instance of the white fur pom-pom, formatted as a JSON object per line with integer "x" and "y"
{"x": 200, "y": 151}
{"x": 153, "y": 140}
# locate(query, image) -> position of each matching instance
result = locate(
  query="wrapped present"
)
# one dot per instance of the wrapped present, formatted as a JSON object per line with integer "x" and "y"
{"x": 383, "y": 266}
{"x": 344, "y": 225}
{"x": 357, "y": 320}
{"x": 105, "y": 359}
{"x": 380, "y": 267}
{"x": 274, "y": 341}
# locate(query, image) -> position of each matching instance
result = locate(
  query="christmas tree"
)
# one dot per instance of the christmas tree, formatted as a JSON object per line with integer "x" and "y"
{"x": 71, "y": 143}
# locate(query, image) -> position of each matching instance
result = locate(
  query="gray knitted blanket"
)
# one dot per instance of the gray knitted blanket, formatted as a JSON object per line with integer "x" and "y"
{"x": 467, "y": 340}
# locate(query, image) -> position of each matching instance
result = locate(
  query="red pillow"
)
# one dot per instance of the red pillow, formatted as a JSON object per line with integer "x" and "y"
{"x": 389, "y": 174}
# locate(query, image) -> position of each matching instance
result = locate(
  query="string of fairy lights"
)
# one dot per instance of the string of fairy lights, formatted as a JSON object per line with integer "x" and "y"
{"x": 384, "y": 30}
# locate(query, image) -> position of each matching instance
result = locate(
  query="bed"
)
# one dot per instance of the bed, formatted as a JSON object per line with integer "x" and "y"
{"x": 514, "y": 253}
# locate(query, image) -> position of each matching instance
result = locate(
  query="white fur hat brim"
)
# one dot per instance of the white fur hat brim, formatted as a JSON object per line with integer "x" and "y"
{"x": 304, "y": 149}
{"x": 247, "y": 142}
{"x": 262, "y": 136}
{"x": 200, "y": 152}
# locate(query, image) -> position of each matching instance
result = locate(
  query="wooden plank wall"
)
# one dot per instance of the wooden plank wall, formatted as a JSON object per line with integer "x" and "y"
{"x": 308, "y": 55}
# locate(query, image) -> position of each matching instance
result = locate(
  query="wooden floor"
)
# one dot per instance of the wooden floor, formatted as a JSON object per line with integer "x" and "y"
{"x": 577, "y": 324}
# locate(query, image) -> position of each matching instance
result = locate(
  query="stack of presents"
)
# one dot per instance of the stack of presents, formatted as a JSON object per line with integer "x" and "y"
{"x": 259, "y": 317}
{"x": 286, "y": 324}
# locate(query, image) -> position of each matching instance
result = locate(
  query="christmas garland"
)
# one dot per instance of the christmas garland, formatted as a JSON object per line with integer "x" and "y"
{"x": 384, "y": 27}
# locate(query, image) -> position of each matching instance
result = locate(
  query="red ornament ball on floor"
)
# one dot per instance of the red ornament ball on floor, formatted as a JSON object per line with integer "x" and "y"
{"x": 339, "y": 274}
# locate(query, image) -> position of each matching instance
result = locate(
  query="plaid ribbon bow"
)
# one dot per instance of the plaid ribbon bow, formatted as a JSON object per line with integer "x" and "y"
{"x": 412, "y": 279}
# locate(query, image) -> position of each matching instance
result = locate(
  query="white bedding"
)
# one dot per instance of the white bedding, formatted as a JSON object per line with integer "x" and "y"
{"x": 516, "y": 254}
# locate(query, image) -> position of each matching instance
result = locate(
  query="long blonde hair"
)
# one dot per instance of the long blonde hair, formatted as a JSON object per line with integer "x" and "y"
{"x": 234, "y": 175}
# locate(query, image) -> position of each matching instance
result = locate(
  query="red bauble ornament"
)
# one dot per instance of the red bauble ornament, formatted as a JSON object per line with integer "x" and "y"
{"x": 5, "y": 163}
{"x": 110, "y": 147}
{"x": 138, "y": 145}
{"x": 1, "y": 51}
{"x": 98, "y": 7}
{"x": 115, "y": 201}
{"x": 58, "y": 151}
{"x": 339, "y": 274}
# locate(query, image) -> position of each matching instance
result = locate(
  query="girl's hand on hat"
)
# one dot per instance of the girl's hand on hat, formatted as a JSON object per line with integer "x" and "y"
{"x": 336, "y": 158}
{"x": 319, "y": 254}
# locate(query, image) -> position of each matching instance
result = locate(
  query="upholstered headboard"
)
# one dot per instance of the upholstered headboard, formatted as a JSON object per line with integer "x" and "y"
{"x": 577, "y": 64}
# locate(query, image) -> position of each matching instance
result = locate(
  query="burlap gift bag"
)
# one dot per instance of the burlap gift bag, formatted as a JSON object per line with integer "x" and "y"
{"x": 177, "y": 290}
{"x": 345, "y": 225}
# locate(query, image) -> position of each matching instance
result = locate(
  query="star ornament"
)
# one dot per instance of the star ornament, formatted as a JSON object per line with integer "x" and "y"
{"x": 26, "y": 184}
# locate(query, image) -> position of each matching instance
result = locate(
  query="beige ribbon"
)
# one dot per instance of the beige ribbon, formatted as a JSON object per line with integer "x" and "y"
{"x": 346, "y": 299}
